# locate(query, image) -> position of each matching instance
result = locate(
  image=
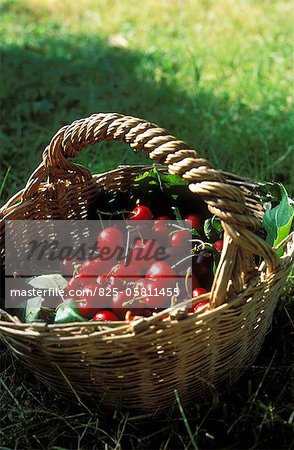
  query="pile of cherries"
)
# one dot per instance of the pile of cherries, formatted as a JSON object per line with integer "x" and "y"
{"x": 106, "y": 284}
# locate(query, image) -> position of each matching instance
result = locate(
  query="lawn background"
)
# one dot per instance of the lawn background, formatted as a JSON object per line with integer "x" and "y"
{"x": 216, "y": 74}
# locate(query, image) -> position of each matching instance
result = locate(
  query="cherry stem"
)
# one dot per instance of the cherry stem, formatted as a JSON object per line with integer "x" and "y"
{"x": 127, "y": 247}
{"x": 181, "y": 227}
{"x": 203, "y": 246}
{"x": 134, "y": 228}
{"x": 100, "y": 218}
{"x": 182, "y": 260}
{"x": 188, "y": 273}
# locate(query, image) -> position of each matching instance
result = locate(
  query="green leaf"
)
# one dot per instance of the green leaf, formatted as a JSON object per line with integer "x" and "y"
{"x": 164, "y": 180}
{"x": 33, "y": 308}
{"x": 172, "y": 180}
{"x": 278, "y": 219}
{"x": 144, "y": 175}
{"x": 283, "y": 232}
{"x": 68, "y": 312}
{"x": 216, "y": 223}
{"x": 177, "y": 213}
{"x": 208, "y": 228}
{"x": 51, "y": 281}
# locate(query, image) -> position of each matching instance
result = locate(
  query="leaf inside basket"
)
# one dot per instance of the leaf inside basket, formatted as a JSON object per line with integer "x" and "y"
{"x": 33, "y": 307}
{"x": 278, "y": 217}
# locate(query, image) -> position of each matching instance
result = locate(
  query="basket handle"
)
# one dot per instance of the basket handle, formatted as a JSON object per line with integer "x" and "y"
{"x": 224, "y": 200}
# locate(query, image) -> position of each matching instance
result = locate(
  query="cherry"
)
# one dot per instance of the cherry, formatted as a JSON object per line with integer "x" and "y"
{"x": 117, "y": 304}
{"x": 140, "y": 231}
{"x": 160, "y": 232}
{"x": 143, "y": 254}
{"x": 105, "y": 315}
{"x": 95, "y": 267}
{"x": 86, "y": 308}
{"x": 162, "y": 218}
{"x": 218, "y": 245}
{"x": 198, "y": 291}
{"x": 160, "y": 270}
{"x": 141, "y": 212}
{"x": 199, "y": 306}
{"x": 121, "y": 274}
{"x": 110, "y": 239}
{"x": 91, "y": 269}
{"x": 181, "y": 238}
{"x": 197, "y": 221}
{"x": 91, "y": 301}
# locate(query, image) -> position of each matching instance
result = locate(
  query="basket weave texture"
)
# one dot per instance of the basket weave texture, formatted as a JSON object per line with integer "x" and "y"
{"x": 139, "y": 365}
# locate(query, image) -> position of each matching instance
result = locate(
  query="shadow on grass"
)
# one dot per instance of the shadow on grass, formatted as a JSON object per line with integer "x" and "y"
{"x": 50, "y": 81}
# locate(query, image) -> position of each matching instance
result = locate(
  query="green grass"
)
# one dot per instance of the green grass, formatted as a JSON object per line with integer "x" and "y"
{"x": 215, "y": 73}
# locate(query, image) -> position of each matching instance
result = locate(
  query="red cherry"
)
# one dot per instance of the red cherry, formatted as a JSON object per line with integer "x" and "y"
{"x": 199, "y": 306}
{"x": 141, "y": 212}
{"x": 143, "y": 254}
{"x": 159, "y": 227}
{"x": 110, "y": 239}
{"x": 120, "y": 310}
{"x": 121, "y": 274}
{"x": 197, "y": 221}
{"x": 163, "y": 218}
{"x": 117, "y": 304}
{"x": 105, "y": 316}
{"x": 140, "y": 231}
{"x": 160, "y": 270}
{"x": 218, "y": 245}
{"x": 95, "y": 267}
{"x": 91, "y": 301}
{"x": 86, "y": 308}
{"x": 198, "y": 291}
{"x": 161, "y": 232}
{"x": 181, "y": 238}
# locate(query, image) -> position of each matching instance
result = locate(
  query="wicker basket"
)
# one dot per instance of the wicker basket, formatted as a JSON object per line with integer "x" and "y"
{"x": 139, "y": 366}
